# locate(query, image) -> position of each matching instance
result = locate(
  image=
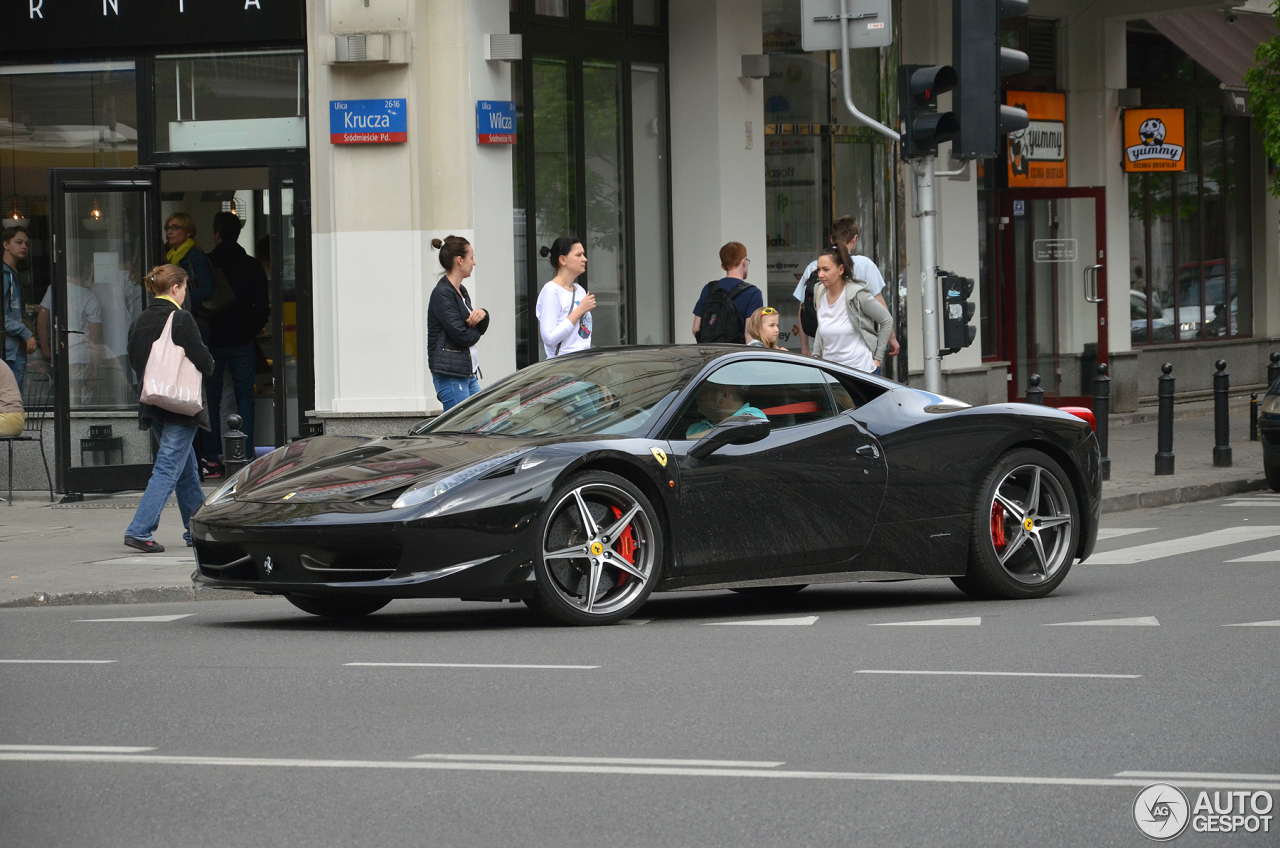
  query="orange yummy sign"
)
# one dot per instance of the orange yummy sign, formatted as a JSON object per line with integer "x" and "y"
{"x": 1155, "y": 140}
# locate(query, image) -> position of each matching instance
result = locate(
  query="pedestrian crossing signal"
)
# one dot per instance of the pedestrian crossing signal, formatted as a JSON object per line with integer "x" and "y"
{"x": 957, "y": 312}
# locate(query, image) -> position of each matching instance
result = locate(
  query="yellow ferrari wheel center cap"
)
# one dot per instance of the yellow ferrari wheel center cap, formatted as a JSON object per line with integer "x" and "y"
{"x": 1028, "y": 524}
{"x": 596, "y": 549}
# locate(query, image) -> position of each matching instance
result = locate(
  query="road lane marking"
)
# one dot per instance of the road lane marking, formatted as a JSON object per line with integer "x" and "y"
{"x": 1140, "y": 621}
{"x": 1000, "y": 673}
{"x": 1195, "y": 775}
{"x": 771, "y": 622}
{"x": 85, "y": 749}
{"x": 658, "y": 771}
{"x": 460, "y": 665}
{"x": 61, "y": 662}
{"x": 1275, "y": 623}
{"x": 1269, "y": 556}
{"x": 1116, "y": 532}
{"x": 974, "y": 621}
{"x": 619, "y": 761}
{"x": 141, "y": 618}
{"x": 1185, "y": 545}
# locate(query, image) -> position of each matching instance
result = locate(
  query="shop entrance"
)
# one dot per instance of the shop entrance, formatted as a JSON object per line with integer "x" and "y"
{"x": 106, "y": 226}
{"x": 1054, "y": 291}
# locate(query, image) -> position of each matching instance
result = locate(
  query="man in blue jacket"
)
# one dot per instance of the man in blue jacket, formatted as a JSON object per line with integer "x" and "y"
{"x": 18, "y": 338}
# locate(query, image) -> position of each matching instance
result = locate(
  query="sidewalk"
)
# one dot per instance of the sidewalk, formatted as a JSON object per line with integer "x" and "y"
{"x": 73, "y": 553}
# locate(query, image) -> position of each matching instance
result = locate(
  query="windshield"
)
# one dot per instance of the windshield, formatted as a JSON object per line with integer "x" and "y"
{"x": 592, "y": 395}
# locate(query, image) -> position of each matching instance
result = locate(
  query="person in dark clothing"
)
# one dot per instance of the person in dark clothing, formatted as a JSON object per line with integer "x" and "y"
{"x": 231, "y": 335}
{"x": 734, "y": 261}
{"x": 453, "y": 326}
{"x": 175, "y": 467}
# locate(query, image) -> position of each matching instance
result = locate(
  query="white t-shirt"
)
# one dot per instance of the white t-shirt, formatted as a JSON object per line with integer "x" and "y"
{"x": 863, "y": 269}
{"x": 841, "y": 343}
{"x": 83, "y": 309}
{"x": 559, "y": 334}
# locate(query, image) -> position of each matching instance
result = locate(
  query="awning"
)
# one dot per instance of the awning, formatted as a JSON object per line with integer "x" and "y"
{"x": 1225, "y": 49}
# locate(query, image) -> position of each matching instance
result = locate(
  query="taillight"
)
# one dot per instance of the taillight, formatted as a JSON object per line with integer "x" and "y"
{"x": 1082, "y": 412}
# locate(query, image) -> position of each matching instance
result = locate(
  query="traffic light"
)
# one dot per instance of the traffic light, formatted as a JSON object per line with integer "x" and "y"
{"x": 923, "y": 126}
{"x": 957, "y": 313}
{"x": 981, "y": 63}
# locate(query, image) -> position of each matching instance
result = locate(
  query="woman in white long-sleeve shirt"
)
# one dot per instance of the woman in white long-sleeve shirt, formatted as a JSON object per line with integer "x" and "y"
{"x": 564, "y": 307}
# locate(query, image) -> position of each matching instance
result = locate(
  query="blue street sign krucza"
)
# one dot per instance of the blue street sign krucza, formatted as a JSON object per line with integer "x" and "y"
{"x": 368, "y": 121}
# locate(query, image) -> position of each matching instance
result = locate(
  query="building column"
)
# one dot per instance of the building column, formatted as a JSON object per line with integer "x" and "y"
{"x": 717, "y": 145}
{"x": 376, "y": 207}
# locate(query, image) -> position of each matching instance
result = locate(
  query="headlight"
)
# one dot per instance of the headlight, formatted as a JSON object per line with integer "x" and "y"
{"x": 428, "y": 491}
{"x": 1271, "y": 405}
{"x": 227, "y": 490}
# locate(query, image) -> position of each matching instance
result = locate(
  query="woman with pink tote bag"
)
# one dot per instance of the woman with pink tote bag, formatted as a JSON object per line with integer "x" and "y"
{"x": 170, "y": 405}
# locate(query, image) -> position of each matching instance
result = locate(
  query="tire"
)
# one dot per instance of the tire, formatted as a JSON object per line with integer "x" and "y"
{"x": 770, "y": 591}
{"x": 1273, "y": 477}
{"x": 337, "y": 607}
{"x": 1025, "y": 529}
{"x": 586, "y": 516}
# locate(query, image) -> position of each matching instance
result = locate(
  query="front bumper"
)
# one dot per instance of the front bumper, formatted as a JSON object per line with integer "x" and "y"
{"x": 270, "y": 549}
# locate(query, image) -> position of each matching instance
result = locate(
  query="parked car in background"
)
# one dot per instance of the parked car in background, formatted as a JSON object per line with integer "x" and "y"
{"x": 1269, "y": 432}
{"x": 1161, "y": 326}
{"x": 1188, "y": 317}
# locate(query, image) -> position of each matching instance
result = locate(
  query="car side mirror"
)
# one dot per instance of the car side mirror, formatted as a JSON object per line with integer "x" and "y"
{"x": 735, "y": 430}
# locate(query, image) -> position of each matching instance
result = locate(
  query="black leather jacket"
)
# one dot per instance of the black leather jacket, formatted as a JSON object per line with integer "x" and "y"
{"x": 449, "y": 339}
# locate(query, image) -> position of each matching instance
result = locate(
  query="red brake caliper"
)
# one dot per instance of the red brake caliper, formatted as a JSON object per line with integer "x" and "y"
{"x": 997, "y": 525}
{"x": 626, "y": 545}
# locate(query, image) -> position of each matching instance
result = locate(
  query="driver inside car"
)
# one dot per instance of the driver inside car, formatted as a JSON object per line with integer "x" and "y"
{"x": 717, "y": 402}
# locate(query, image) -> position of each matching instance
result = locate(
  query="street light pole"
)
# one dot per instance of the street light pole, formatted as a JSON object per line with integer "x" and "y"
{"x": 924, "y": 171}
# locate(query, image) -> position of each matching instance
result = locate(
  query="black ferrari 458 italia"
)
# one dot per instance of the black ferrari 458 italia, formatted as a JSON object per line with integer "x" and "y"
{"x": 582, "y": 484}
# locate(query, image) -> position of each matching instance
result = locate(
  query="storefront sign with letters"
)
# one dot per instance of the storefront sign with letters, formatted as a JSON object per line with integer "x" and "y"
{"x": 1038, "y": 154}
{"x": 1155, "y": 140}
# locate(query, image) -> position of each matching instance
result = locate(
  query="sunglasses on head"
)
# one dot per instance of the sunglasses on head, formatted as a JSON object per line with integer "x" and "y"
{"x": 768, "y": 310}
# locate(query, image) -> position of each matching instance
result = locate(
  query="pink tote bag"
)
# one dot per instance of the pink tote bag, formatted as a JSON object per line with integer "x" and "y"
{"x": 171, "y": 382}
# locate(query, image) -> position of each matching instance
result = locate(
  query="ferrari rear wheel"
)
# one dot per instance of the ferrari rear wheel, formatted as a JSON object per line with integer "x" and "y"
{"x": 337, "y": 607}
{"x": 1025, "y": 529}
{"x": 601, "y": 551}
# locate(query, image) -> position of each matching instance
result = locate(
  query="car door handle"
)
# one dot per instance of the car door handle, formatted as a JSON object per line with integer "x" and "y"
{"x": 870, "y": 451}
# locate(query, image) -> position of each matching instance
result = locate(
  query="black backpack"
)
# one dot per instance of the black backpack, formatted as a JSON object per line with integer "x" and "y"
{"x": 809, "y": 309}
{"x": 720, "y": 316}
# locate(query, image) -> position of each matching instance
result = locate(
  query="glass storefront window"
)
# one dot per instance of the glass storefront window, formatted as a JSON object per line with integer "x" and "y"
{"x": 602, "y": 10}
{"x": 652, "y": 205}
{"x": 231, "y": 101}
{"x": 646, "y": 13}
{"x": 73, "y": 115}
{"x": 606, "y": 200}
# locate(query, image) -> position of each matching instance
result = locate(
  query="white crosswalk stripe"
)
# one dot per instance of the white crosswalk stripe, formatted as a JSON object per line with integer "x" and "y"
{"x": 1106, "y": 533}
{"x": 1268, "y": 556}
{"x": 1187, "y": 544}
{"x": 1141, "y": 621}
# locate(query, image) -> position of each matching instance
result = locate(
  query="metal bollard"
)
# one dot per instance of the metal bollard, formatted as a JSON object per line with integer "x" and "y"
{"x": 1101, "y": 411}
{"x": 1035, "y": 394}
{"x": 234, "y": 447}
{"x": 1164, "y": 421}
{"x": 1221, "y": 417}
{"x": 1273, "y": 370}
{"x": 1253, "y": 416}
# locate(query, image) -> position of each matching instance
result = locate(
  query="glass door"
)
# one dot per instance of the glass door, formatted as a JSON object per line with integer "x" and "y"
{"x": 105, "y": 226}
{"x": 288, "y": 349}
{"x": 1055, "y": 291}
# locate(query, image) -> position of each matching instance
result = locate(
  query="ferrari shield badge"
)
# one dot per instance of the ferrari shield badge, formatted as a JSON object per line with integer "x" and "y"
{"x": 660, "y": 455}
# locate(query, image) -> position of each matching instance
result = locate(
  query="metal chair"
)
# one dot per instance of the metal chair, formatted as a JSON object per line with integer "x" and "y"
{"x": 37, "y": 397}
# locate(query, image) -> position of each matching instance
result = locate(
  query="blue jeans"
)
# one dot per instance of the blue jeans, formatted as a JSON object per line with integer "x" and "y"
{"x": 175, "y": 470}
{"x": 242, "y": 362}
{"x": 454, "y": 390}
{"x": 18, "y": 366}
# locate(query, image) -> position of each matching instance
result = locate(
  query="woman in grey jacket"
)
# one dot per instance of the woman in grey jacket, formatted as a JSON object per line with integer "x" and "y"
{"x": 853, "y": 328}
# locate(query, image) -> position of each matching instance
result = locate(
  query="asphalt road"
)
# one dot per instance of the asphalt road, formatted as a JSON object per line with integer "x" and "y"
{"x": 251, "y": 723}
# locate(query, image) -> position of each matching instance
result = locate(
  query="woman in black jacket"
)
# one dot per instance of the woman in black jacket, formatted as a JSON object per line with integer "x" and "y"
{"x": 453, "y": 327}
{"x": 175, "y": 467}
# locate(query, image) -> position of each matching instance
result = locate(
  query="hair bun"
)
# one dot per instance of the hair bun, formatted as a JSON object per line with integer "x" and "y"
{"x": 544, "y": 251}
{"x": 436, "y": 243}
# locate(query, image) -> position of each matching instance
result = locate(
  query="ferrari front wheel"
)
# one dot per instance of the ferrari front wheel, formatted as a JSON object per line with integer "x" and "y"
{"x": 1026, "y": 528}
{"x": 601, "y": 551}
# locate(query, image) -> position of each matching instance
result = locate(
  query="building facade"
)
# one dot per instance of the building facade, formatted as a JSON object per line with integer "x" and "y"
{"x": 651, "y": 131}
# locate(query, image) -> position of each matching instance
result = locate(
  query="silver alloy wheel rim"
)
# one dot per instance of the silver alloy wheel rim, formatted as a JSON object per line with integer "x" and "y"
{"x": 582, "y": 544}
{"x": 1036, "y": 515}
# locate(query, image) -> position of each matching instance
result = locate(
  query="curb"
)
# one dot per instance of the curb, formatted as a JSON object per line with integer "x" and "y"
{"x": 157, "y": 595}
{"x": 1181, "y": 494}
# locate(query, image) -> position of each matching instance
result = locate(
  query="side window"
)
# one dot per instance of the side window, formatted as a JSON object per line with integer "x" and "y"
{"x": 840, "y": 394}
{"x": 786, "y": 393}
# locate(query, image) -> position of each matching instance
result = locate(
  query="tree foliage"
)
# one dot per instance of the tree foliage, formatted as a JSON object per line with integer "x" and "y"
{"x": 1263, "y": 80}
